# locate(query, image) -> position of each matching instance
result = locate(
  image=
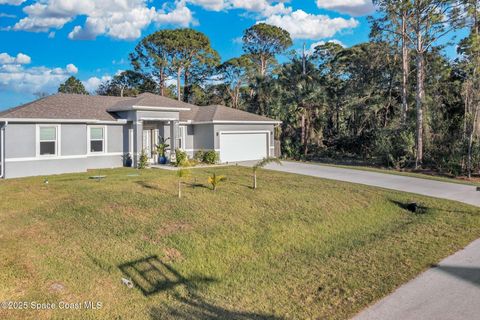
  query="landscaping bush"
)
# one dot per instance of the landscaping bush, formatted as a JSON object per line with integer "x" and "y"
{"x": 143, "y": 160}
{"x": 181, "y": 158}
{"x": 199, "y": 155}
{"x": 211, "y": 157}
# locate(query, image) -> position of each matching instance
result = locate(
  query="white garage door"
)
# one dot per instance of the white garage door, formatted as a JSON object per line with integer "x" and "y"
{"x": 236, "y": 147}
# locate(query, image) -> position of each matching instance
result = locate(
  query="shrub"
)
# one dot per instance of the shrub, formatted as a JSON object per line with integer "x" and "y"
{"x": 143, "y": 160}
{"x": 181, "y": 158}
{"x": 211, "y": 157}
{"x": 199, "y": 155}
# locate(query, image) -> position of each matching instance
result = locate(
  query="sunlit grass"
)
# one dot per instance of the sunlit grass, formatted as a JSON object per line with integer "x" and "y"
{"x": 297, "y": 247}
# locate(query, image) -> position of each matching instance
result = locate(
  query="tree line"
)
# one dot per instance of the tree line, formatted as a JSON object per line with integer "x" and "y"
{"x": 396, "y": 100}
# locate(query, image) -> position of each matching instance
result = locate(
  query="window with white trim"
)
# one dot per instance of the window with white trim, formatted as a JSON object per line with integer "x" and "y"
{"x": 181, "y": 136}
{"x": 48, "y": 140}
{"x": 97, "y": 139}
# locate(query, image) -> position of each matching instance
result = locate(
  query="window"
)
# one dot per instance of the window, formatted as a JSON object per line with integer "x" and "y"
{"x": 182, "y": 130}
{"x": 97, "y": 139}
{"x": 48, "y": 141}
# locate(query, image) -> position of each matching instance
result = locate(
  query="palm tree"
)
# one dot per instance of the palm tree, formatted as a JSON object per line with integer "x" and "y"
{"x": 215, "y": 180}
{"x": 262, "y": 163}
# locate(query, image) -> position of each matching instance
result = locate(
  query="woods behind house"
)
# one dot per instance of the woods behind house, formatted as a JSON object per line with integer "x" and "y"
{"x": 397, "y": 100}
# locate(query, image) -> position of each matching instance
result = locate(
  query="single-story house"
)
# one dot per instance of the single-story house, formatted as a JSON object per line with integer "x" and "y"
{"x": 66, "y": 133}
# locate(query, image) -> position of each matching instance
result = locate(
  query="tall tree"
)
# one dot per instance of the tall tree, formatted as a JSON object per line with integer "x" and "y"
{"x": 263, "y": 42}
{"x": 128, "y": 83}
{"x": 469, "y": 48}
{"x": 150, "y": 59}
{"x": 235, "y": 74}
{"x": 72, "y": 85}
{"x": 189, "y": 57}
{"x": 431, "y": 20}
{"x": 394, "y": 22}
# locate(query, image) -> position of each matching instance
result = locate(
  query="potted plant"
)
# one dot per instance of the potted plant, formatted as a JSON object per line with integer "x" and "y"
{"x": 127, "y": 158}
{"x": 161, "y": 148}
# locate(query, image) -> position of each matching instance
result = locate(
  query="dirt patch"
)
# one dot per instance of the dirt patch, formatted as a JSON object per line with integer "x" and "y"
{"x": 171, "y": 228}
{"x": 172, "y": 255}
{"x": 56, "y": 287}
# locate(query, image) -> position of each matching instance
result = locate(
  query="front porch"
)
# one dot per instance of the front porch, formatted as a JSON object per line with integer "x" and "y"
{"x": 147, "y": 135}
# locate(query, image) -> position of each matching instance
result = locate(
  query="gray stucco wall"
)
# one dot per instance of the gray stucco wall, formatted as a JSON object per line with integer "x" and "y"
{"x": 43, "y": 167}
{"x": 20, "y": 140}
{"x": 22, "y": 161}
{"x": 115, "y": 139}
{"x": 74, "y": 139}
{"x": 204, "y": 137}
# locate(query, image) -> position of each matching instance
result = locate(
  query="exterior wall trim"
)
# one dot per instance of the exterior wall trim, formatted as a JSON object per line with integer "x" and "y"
{"x": 26, "y": 159}
{"x": 235, "y": 122}
{"x": 44, "y": 120}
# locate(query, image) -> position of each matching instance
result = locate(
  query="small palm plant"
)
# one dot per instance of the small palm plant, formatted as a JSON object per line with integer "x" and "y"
{"x": 215, "y": 180}
{"x": 161, "y": 148}
{"x": 181, "y": 174}
{"x": 262, "y": 163}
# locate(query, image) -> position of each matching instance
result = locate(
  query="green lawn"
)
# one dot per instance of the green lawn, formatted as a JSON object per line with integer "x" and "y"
{"x": 296, "y": 248}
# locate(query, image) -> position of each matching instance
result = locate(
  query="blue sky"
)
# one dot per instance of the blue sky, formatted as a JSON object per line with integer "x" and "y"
{"x": 45, "y": 41}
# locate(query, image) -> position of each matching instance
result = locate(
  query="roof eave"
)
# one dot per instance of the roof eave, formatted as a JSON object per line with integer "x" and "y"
{"x": 146, "y": 108}
{"x": 237, "y": 122}
{"x": 47, "y": 120}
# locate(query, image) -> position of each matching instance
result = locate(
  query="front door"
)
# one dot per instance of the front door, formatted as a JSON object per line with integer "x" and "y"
{"x": 147, "y": 143}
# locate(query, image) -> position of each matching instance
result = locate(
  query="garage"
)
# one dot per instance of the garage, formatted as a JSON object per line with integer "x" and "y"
{"x": 243, "y": 146}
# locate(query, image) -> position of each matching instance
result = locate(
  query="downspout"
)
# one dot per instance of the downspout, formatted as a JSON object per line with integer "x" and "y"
{"x": 2, "y": 149}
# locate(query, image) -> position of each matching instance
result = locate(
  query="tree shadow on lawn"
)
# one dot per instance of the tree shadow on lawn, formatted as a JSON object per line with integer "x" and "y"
{"x": 151, "y": 276}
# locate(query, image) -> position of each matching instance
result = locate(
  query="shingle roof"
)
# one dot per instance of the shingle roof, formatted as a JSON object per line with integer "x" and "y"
{"x": 220, "y": 113}
{"x": 149, "y": 100}
{"x": 66, "y": 106}
{"x": 76, "y": 107}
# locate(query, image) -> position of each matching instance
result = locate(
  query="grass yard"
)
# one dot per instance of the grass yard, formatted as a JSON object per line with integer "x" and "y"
{"x": 296, "y": 248}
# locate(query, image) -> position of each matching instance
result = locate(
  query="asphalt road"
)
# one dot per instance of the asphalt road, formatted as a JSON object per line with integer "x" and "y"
{"x": 449, "y": 291}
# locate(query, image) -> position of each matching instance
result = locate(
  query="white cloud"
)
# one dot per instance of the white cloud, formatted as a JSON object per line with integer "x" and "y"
{"x": 214, "y": 5}
{"x": 18, "y": 78}
{"x": 92, "y": 84}
{"x": 302, "y": 25}
{"x": 351, "y": 7}
{"x": 71, "y": 68}
{"x": 265, "y": 8}
{"x": 120, "y": 19}
{"x": 12, "y": 2}
{"x": 21, "y": 58}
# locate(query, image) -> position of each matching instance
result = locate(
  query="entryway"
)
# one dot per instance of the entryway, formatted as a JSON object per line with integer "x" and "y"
{"x": 150, "y": 140}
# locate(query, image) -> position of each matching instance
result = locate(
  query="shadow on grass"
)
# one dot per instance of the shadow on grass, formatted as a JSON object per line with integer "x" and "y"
{"x": 468, "y": 274}
{"x": 147, "y": 185}
{"x": 410, "y": 206}
{"x": 151, "y": 276}
{"x": 423, "y": 210}
{"x": 194, "y": 307}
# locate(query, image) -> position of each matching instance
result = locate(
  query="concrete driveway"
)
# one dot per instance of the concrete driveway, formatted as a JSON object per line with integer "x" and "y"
{"x": 450, "y": 291}
{"x": 432, "y": 188}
